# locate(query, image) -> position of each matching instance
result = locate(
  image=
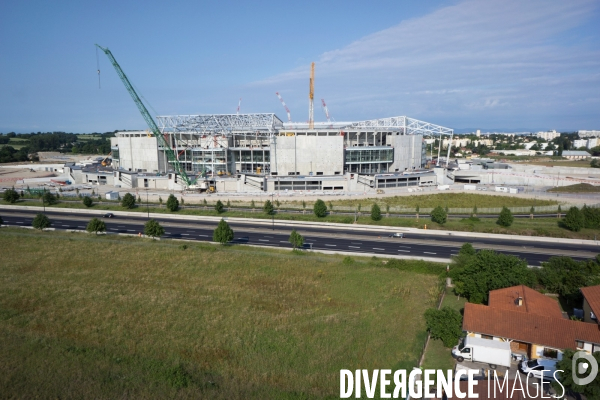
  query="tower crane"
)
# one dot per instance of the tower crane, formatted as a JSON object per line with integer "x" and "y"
{"x": 311, "y": 96}
{"x": 284, "y": 106}
{"x": 326, "y": 110}
{"x": 162, "y": 142}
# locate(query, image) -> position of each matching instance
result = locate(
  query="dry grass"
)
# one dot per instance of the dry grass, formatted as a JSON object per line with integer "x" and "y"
{"x": 101, "y": 317}
{"x": 577, "y": 188}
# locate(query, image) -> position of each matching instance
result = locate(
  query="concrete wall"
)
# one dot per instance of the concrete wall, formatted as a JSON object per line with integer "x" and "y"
{"x": 407, "y": 152}
{"x": 296, "y": 153}
{"x": 138, "y": 152}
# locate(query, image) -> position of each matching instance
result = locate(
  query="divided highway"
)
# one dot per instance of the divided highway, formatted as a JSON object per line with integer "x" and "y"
{"x": 417, "y": 245}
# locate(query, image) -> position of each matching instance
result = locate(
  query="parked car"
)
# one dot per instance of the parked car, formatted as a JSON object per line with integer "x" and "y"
{"x": 396, "y": 235}
{"x": 539, "y": 366}
{"x": 109, "y": 215}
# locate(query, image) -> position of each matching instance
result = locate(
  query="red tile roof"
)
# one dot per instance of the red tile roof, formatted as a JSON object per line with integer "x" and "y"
{"x": 557, "y": 333}
{"x": 533, "y": 301}
{"x": 592, "y": 295}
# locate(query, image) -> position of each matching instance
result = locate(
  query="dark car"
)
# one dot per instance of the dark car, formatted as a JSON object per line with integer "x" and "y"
{"x": 109, "y": 215}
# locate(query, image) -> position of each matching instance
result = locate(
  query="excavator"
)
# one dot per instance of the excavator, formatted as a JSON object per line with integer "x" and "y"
{"x": 106, "y": 161}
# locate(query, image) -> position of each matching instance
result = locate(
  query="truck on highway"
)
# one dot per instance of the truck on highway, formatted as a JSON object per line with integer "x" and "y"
{"x": 492, "y": 352}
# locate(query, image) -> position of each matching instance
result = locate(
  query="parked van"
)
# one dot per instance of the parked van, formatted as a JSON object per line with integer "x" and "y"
{"x": 492, "y": 352}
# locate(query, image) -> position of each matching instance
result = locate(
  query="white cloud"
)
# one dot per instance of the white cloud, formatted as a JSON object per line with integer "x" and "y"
{"x": 506, "y": 59}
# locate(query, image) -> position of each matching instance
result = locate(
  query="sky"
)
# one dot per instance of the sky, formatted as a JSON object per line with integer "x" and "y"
{"x": 490, "y": 65}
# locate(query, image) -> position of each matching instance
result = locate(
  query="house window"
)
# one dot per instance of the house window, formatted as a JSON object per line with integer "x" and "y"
{"x": 488, "y": 337}
{"x": 579, "y": 344}
{"x": 550, "y": 353}
{"x": 595, "y": 348}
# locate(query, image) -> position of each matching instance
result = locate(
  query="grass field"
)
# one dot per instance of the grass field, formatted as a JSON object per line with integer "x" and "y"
{"x": 561, "y": 163}
{"x": 451, "y": 200}
{"x": 577, "y": 188}
{"x": 112, "y": 317}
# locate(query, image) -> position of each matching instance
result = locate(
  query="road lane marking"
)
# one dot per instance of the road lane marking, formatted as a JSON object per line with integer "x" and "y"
{"x": 354, "y": 247}
{"x": 405, "y": 251}
{"x": 331, "y": 245}
{"x": 283, "y": 241}
{"x": 377, "y": 248}
{"x": 185, "y": 234}
{"x": 263, "y": 240}
{"x": 203, "y": 235}
{"x": 426, "y": 252}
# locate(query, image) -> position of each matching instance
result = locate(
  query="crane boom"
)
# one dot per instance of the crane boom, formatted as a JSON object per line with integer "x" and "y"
{"x": 284, "y": 106}
{"x": 326, "y": 110}
{"x": 311, "y": 96}
{"x": 151, "y": 124}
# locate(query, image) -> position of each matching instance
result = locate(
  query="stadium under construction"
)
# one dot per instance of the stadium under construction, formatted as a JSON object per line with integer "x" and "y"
{"x": 265, "y": 153}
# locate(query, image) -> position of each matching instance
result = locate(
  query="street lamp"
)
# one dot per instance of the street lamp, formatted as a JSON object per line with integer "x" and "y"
{"x": 272, "y": 214}
{"x": 147, "y": 205}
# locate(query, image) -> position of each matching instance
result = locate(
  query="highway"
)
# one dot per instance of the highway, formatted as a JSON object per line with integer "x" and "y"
{"x": 259, "y": 232}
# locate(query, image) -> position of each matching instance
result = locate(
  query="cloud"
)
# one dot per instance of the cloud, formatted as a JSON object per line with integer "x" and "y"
{"x": 508, "y": 59}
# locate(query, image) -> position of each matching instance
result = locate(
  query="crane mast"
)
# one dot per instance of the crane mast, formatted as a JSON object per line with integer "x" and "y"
{"x": 173, "y": 159}
{"x": 311, "y": 96}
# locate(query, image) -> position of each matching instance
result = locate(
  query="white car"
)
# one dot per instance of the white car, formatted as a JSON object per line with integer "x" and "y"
{"x": 536, "y": 367}
{"x": 396, "y": 235}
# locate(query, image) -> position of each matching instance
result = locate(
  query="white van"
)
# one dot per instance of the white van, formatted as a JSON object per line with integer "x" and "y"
{"x": 537, "y": 366}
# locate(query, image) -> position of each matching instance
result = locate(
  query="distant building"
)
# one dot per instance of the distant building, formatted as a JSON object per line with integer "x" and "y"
{"x": 586, "y": 134}
{"x": 587, "y": 143}
{"x": 576, "y": 154}
{"x": 549, "y": 135}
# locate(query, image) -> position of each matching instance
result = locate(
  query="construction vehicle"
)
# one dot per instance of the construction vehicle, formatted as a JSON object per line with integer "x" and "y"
{"x": 105, "y": 162}
{"x": 162, "y": 142}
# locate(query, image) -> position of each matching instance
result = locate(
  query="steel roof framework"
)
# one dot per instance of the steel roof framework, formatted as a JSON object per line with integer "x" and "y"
{"x": 221, "y": 124}
{"x": 409, "y": 126}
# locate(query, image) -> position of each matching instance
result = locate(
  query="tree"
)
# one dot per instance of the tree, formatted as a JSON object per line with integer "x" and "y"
{"x": 574, "y": 220}
{"x": 49, "y": 198}
{"x": 505, "y": 218}
{"x": 330, "y": 207}
{"x": 268, "y": 207}
{"x": 153, "y": 229}
{"x": 128, "y": 201}
{"x": 139, "y": 199}
{"x": 228, "y": 204}
{"x": 223, "y": 234}
{"x": 417, "y": 209}
{"x": 387, "y": 209}
{"x": 375, "y": 213}
{"x": 531, "y": 211}
{"x": 296, "y": 239}
{"x": 41, "y": 222}
{"x": 591, "y": 390}
{"x": 96, "y": 225}
{"x": 488, "y": 270}
{"x": 160, "y": 201}
{"x": 565, "y": 276}
{"x": 252, "y": 205}
{"x": 87, "y": 201}
{"x": 474, "y": 214}
{"x": 303, "y": 206}
{"x": 219, "y": 207}
{"x": 559, "y": 211}
{"x": 320, "y": 209}
{"x": 444, "y": 324}
{"x": 11, "y": 196}
{"x": 591, "y": 217}
{"x": 172, "y": 203}
{"x": 595, "y": 163}
{"x": 182, "y": 201}
{"x": 439, "y": 215}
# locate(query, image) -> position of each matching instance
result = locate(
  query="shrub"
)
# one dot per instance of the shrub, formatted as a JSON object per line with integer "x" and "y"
{"x": 439, "y": 215}
{"x": 219, "y": 206}
{"x": 591, "y": 217}
{"x": 444, "y": 324}
{"x": 87, "y": 201}
{"x": 296, "y": 239}
{"x": 172, "y": 203}
{"x": 128, "y": 201}
{"x": 505, "y": 218}
{"x": 348, "y": 260}
{"x": 375, "y": 213}
{"x": 49, "y": 198}
{"x": 153, "y": 229}
{"x": 1, "y": 221}
{"x": 41, "y": 221}
{"x": 223, "y": 233}
{"x": 574, "y": 220}
{"x": 96, "y": 225}
{"x": 268, "y": 207}
{"x": 320, "y": 209}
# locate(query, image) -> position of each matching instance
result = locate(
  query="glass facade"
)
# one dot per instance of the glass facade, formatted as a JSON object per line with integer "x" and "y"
{"x": 369, "y": 156}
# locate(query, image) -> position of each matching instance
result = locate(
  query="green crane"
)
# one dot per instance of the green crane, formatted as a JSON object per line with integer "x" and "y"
{"x": 151, "y": 124}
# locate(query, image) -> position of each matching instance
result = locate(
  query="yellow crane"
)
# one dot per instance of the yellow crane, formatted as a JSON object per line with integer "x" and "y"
{"x": 311, "y": 96}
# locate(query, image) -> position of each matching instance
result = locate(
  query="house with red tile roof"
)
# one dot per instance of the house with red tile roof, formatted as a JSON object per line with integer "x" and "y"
{"x": 591, "y": 303}
{"x": 532, "y": 322}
